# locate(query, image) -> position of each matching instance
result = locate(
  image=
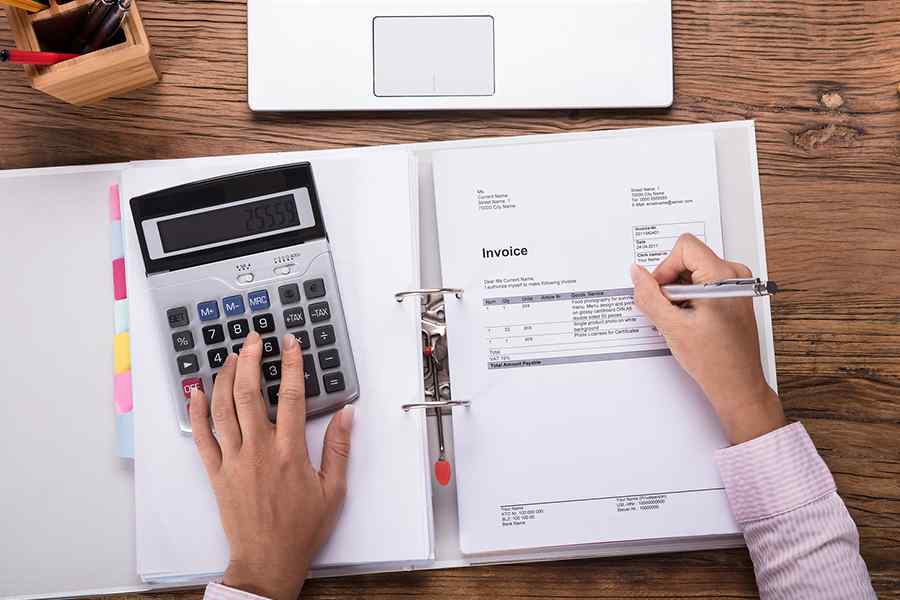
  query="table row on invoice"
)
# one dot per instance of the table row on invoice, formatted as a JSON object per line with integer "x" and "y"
{"x": 570, "y": 327}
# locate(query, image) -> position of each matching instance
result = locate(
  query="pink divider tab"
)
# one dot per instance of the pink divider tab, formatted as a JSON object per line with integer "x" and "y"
{"x": 119, "y": 288}
{"x": 115, "y": 210}
{"x": 122, "y": 393}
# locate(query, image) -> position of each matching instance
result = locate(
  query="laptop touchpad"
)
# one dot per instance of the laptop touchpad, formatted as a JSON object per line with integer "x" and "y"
{"x": 434, "y": 56}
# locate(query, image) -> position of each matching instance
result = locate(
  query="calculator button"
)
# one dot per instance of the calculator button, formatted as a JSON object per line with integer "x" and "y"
{"x": 178, "y": 317}
{"x": 188, "y": 363}
{"x": 273, "y": 393}
{"x": 189, "y": 384}
{"x": 208, "y": 311}
{"x": 213, "y": 334}
{"x": 182, "y": 340}
{"x": 245, "y": 278}
{"x": 314, "y": 288}
{"x": 329, "y": 359}
{"x": 324, "y": 335}
{"x": 290, "y": 293}
{"x": 294, "y": 317}
{"x": 309, "y": 376}
{"x": 239, "y": 329}
{"x": 233, "y": 305}
{"x": 237, "y": 348}
{"x": 334, "y": 382}
{"x": 270, "y": 347}
{"x": 264, "y": 323}
{"x": 303, "y": 338}
{"x": 217, "y": 357}
{"x": 272, "y": 370}
{"x": 320, "y": 311}
{"x": 285, "y": 270}
{"x": 258, "y": 300}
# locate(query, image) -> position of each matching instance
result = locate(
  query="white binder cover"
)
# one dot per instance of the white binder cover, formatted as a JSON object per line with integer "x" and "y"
{"x": 74, "y": 530}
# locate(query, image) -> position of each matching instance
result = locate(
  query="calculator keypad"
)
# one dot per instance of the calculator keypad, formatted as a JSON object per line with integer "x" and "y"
{"x": 319, "y": 312}
{"x": 294, "y": 317}
{"x": 272, "y": 370}
{"x": 188, "y": 363}
{"x": 217, "y": 357}
{"x": 239, "y": 329}
{"x": 225, "y": 322}
{"x": 178, "y": 317}
{"x": 258, "y": 300}
{"x": 182, "y": 340}
{"x": 289, "y": 294}
{"x": 189, "y": 384}
{"x": 264, "y": 323}
{"x": 302, "y": 338}
{"x": 270, "y": 347}
{"x": 309, "y": 376}
{"x": 329, "y": 359}
{"x": 314, "y": 288}
{"x": 213, "y": 334}
{"x": 324, "y": 335}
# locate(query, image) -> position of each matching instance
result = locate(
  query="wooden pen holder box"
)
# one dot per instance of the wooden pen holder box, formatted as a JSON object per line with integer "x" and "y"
{"x": 123, "y": 64}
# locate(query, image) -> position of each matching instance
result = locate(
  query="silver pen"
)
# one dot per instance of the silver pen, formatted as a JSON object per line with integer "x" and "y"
{"x": 727, "y": 288}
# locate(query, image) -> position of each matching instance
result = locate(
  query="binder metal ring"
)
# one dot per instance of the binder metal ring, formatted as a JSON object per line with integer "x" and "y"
{"x": 435, "y": 404}
{"x": 401, "y": 296}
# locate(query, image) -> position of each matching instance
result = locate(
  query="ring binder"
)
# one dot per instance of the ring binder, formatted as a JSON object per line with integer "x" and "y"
{"x": 401, "y": 296}
{"x": 435, "y": 404}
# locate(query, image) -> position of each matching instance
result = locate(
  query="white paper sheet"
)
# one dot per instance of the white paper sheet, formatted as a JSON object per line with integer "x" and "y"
{"x": 387, "y": 517}
{"x": 582, "y": 429}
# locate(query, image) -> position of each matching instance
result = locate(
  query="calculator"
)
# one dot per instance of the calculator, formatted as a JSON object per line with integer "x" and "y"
{"x": 241, "y": 253}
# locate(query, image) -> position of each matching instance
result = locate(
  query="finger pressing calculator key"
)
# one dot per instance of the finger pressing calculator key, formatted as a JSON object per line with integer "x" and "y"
{"x": 246, "y": 252}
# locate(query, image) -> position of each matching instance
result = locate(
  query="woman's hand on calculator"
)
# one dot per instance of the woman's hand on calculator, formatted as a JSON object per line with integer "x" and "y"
{"x": 276, "y": 508}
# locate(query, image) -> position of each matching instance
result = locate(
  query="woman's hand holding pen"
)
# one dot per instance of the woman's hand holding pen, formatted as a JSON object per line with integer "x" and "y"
{"x": 276, "y": 508}
{"x": 715, "y": 341}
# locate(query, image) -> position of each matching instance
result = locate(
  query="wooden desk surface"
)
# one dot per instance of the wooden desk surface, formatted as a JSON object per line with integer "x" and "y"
{"x": 821, "y": 80}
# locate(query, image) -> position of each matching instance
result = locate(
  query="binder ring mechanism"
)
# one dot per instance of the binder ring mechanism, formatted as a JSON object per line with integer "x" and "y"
{"x": 435, "y": 404}
{"x": 401, "y": 296}
{"x": 434, "y": 331}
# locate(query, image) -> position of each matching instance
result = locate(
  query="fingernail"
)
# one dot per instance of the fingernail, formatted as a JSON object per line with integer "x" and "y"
{"x": 635, "y": 272}
{"x": 346, "y": 417}
{"x": 194, "y": 392}
{"x": 252, "y": 339}
{"x": 230, "y": 359}
{"x": 289, "y": 342}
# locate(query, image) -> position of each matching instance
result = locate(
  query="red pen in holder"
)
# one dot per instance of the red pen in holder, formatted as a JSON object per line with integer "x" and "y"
{"x": 123, "y": 64}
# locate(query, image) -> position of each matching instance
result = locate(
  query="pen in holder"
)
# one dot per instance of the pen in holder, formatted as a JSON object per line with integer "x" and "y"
{"x": 120, "y": 63}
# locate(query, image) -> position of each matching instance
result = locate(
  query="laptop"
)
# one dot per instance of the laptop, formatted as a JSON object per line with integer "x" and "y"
{"x": 338, "y": 55}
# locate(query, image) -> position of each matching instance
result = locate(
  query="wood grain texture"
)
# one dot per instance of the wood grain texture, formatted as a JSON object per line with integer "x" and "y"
{"x": 820, "y": 77}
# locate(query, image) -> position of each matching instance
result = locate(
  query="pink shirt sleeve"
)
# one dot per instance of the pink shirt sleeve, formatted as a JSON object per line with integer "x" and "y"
{"x": 801, "y": 538}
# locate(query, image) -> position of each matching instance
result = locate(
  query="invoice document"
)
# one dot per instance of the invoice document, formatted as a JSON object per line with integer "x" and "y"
{"x": 582, "y": 427}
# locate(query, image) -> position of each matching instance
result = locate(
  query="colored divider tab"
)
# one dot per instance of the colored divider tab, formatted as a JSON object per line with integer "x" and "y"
{"x": 119, "y": 279}
{"x": 121, "y": 315}
{"x": 121, "y": 353}
{"x": 115, "y": 207}
{"x": 116, "y": 245}
{"x": 122, "y": 392}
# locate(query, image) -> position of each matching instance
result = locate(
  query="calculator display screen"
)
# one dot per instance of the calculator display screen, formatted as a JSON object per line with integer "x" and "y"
{"x": 233, "y": 222}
